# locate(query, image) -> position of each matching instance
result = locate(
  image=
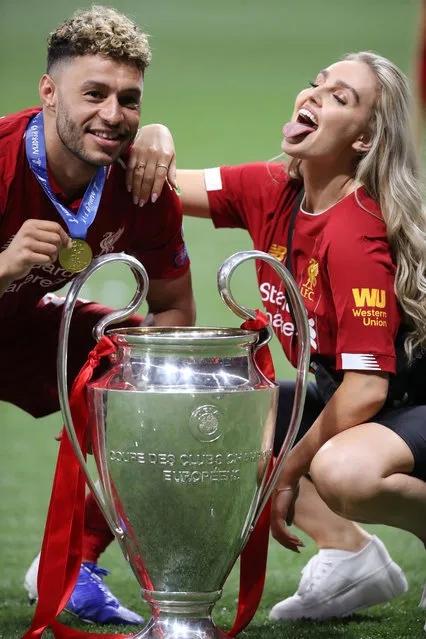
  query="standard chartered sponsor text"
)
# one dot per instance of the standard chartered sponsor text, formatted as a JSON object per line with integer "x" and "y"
{"x": 270, "y": 293}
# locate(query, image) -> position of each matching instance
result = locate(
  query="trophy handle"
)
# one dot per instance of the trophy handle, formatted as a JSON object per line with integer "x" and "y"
{"x": 116, "y": 316}
{"x": 302, "y": 326}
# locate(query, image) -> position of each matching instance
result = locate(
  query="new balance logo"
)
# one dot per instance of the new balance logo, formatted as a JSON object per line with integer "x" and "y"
{"x": 278, "y": 251}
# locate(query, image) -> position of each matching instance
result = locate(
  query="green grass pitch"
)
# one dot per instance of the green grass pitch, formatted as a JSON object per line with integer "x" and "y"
{"x": 224, "y": 77}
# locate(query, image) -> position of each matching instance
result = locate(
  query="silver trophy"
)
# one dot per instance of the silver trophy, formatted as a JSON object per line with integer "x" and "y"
{"x": 182, "y": 429}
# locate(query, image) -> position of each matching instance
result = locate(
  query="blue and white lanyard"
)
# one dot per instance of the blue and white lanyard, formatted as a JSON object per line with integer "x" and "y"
{"x": 79, "y": 223}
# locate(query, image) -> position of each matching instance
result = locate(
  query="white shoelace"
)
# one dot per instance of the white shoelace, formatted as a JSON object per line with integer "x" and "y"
{"x": 314, "y": 571}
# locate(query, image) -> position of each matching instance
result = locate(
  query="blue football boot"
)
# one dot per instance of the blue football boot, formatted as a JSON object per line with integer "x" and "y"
{"x": 93, "y": 602}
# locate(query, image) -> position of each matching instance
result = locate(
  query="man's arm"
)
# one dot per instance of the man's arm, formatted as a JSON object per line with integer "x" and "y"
{"x": 171, "y": 302}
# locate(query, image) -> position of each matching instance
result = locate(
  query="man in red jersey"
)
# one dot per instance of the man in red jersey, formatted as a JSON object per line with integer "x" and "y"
{"x": 62, "y": 186}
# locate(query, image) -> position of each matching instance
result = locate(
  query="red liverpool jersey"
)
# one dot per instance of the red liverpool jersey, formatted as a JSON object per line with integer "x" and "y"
{"x": 153, "y": 234}
{"x": 341, "y": 262}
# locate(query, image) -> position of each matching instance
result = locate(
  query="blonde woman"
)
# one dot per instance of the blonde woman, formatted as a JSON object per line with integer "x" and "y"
{"x": 358, "y": 254}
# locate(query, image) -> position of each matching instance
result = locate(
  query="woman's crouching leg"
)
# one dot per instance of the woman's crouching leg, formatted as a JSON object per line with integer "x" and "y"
{"x": 363, "y": 474}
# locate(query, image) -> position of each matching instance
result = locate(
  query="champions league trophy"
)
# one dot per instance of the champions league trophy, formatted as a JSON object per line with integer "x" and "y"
{"x": 182, "y": 429}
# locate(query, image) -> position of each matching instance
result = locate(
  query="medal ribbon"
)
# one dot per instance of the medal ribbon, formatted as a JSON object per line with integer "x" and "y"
{"x": 35, "y": 147}
{"x": 61, "y": 552}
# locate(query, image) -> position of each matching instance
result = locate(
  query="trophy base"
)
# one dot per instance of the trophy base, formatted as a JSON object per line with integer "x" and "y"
{"x": 178, "y": 628}
{"x": 181, "y": 615}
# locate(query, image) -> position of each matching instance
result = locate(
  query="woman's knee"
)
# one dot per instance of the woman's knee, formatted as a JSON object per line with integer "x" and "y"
{"x": 344, "y": 481}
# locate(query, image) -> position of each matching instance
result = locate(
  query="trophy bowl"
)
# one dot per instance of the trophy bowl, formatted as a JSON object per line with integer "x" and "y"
{"x": 182, "y": 428}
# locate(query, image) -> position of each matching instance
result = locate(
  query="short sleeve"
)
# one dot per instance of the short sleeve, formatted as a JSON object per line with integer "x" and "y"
{"x": 361, "y": 275}
{"x": 240, "y": 196}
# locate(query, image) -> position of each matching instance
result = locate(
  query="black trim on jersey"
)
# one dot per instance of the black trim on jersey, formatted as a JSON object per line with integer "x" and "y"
{"x": 327, "y": 379}
{"x": 288, "y": 263}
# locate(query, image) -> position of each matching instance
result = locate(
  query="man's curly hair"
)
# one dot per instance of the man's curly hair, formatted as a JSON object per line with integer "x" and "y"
{"x": 99, "y": 30}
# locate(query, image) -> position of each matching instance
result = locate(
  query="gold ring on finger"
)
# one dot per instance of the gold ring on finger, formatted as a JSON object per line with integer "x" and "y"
{"x": 163, "y": 166}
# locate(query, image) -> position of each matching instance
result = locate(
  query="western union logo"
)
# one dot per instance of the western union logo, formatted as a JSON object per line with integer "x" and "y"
{"x": 372, "y": 297}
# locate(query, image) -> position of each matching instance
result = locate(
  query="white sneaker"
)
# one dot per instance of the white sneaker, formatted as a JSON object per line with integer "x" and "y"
{"x": 30, "y": 581}
{"x": 336, "y": 583}
{"x": 422, "y": 603}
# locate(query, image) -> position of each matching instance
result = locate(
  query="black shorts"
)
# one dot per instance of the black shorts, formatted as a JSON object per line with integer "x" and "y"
{"x": 408, "y": 422}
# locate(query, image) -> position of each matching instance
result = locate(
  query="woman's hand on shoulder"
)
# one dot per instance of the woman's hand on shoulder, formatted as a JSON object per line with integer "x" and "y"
{"x": 152, "y": 161}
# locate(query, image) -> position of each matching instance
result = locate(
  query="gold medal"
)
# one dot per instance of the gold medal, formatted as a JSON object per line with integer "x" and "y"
{"x": 77, "y": 258}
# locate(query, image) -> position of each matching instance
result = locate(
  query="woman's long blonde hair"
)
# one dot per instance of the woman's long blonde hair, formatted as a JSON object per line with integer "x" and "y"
{"x": 390, "y": 173}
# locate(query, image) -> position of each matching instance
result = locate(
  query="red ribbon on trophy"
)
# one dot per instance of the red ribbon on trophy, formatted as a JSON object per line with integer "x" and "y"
{"x": 255, "y": 554}
{"x": 61, "y": 552}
